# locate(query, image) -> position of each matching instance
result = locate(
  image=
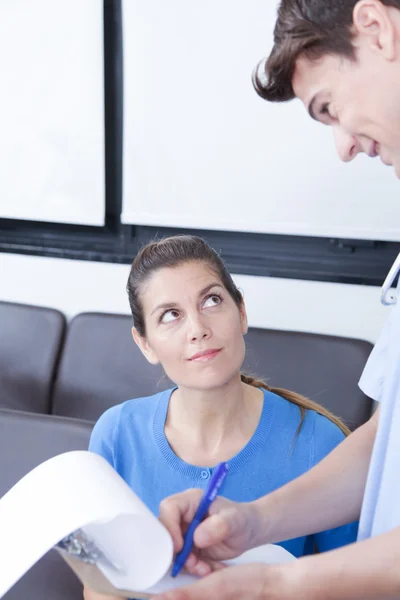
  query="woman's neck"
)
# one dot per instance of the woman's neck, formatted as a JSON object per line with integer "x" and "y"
{"x": 205, "y": 427}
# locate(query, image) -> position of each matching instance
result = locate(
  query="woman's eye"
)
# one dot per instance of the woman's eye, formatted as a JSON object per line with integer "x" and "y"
{"x": 169, "y": 316}
{"x": 213, "y": 300}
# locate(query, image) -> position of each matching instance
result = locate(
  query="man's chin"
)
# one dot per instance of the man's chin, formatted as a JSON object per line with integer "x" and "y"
{"x": 397, "y": 170}
{"x": 389, "y": 163}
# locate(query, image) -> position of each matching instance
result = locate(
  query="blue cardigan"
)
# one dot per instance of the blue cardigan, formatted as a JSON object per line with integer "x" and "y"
{"x": 131, "y": 438}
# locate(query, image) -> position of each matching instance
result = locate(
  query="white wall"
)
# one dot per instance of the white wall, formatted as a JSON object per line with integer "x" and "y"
{"x": 52, "y": 108}
{"x": 202, "y": 150}
{"x": 76, "y": 286}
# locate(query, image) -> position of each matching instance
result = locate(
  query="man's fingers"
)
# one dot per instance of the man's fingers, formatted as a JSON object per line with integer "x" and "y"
{"x": 244, "y": 582}
{"x": 217, "y": 585}
{"x": 176, "y": 510}
{"x": 196, "y": 565}
{"x": 170, "y": 517}
{"x": 212, "y": 531}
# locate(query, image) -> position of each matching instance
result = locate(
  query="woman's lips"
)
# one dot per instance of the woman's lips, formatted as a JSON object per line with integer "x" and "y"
{"x": 205, "y": 355}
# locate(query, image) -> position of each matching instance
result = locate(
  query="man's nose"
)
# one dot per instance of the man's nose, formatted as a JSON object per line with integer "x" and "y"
{"x": 347, "y": 145}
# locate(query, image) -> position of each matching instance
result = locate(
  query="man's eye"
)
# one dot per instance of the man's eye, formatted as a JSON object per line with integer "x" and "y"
{"x": 169, "y": 316}
{"x": 325, "y": 110}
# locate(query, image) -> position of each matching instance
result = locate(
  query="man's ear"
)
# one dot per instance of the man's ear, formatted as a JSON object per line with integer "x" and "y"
{"x": 374, "y": 21}
{"x": 243, "y": 318}
{"x": 147, "y": 352}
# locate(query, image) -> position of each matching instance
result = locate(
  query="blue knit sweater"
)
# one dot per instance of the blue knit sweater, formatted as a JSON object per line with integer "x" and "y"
{"x": 131, "y": 438}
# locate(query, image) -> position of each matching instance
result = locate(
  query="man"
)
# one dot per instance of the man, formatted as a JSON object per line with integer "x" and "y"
{"x": 342, "y": 59}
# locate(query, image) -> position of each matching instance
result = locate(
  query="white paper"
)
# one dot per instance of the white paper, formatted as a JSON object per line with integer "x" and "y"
{"x": 80, "y": 490}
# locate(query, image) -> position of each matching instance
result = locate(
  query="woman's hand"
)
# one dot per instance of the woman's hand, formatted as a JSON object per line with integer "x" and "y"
{"x": 89, "y": 594}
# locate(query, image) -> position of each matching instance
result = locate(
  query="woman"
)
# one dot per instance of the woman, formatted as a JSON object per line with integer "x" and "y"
{"x": 189, "y": 316}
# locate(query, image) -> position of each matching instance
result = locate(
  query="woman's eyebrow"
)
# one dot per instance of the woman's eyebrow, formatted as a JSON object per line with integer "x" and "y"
{"x": 164, "y": 305}
{"x": 209, "y": 287}
{"x": 175, "y": 304}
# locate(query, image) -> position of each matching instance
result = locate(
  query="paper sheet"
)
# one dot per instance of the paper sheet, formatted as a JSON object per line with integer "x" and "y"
{"x": 80, "y": 490}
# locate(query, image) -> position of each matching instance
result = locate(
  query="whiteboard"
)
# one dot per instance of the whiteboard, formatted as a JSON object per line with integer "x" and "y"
{"x": 201, "y": 149}
{"x": 52, "y": 111}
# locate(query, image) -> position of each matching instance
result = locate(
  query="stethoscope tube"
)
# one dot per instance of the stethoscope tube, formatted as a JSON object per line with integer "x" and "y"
{"x": 389, "y": 294}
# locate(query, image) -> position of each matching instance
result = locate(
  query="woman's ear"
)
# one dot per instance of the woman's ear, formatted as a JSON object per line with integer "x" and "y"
{"x": 243, "y": 318}
{"x": 147, "y": 352}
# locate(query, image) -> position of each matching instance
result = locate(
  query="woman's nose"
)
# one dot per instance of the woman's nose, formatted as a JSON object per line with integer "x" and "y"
{"x": 198, "y": 329}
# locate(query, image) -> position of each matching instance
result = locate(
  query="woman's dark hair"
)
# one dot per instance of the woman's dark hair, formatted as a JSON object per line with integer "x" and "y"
{"x": 311, "y": 28}
{"x": 172, "y": 252}
{"x": 182, "y": 249}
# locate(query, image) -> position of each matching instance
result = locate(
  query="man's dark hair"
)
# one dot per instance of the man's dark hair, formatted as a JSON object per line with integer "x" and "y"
{"x": 311, "y": 28}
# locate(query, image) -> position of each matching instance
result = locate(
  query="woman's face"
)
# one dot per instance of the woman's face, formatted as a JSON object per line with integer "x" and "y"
{"x": 193, "y": 326}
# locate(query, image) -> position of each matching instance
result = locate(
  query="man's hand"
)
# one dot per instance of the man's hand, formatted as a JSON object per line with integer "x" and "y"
{"x": 363, "y": 571}
{"x": 327, "y": 496}
{"x": 230, "y": 529}
{"x": 244, "y": 582}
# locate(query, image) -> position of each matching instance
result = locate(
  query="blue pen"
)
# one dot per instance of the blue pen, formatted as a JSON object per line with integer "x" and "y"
{"x": 209, "y": 496}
